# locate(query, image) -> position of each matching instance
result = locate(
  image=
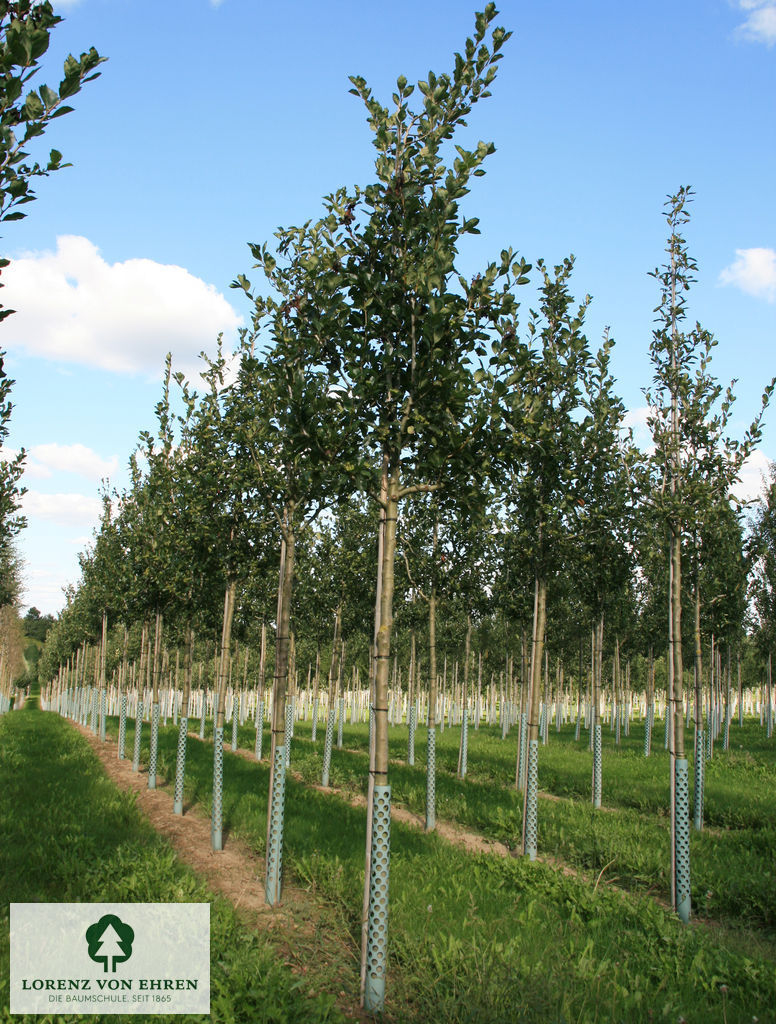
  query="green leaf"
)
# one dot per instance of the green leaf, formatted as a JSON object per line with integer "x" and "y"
{"x": 49, "y": 97}
{"x": 33, "y": 108}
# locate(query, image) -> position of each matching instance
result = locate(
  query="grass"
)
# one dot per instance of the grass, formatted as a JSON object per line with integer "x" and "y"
{"x": 70, "y": 836}
{"x": 732, "y": 859}
{"x": 481, "y": 938}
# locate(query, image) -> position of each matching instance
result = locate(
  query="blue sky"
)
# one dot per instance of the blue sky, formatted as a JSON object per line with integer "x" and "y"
{"x": 214, "y": 123}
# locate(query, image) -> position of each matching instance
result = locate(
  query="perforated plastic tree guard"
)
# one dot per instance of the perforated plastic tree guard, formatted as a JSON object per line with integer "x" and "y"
{"x": 327, "y": 745}
{"x": 216, "y": 819}
{"x": 315, "y": 720}
{"x": 377, "y": 922}
{"x": 411, "y": 737}
{"x": 682, "y": 866}
{"x": 289, "y": 731}
{"x": 531, "y": 802}
{"x": 523, "y": 749}
{"x": 341, "y": 722}
{"x": 431, "y": 780}
{"x": 152, "y": 756}
{"x": 597, "y": 766}
{"x": 464, "y": 743}
{"x": 138, "y": 731}
{"x": 180, "y": 765}
{"x": 122, "y": 726}
{"x": 275, "y": 851}
{"x": 648, "y": 730}
{"x": 235, "y": 722}
{"x": 259, "y": 729}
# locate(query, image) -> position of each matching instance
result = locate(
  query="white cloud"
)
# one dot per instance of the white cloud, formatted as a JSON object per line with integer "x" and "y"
{"x": 72, "y": 306}
{"x": 754, "y": 272}
{"x": 760, "y": 23}
{"x": 636, "y": 419}
{"x": 35, "y": 471}
{"x": 31, "y": 468}
{"x": 755, "y": 472}
{"x": 70, "y": 510}
{"x": 73, "y": 458}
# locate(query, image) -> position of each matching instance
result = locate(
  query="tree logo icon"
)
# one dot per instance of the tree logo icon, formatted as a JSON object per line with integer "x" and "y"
{"x": 110, "y": 941}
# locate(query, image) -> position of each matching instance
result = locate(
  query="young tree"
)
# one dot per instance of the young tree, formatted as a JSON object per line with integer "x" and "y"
{"x": 283, "y": 435}
{"x": 604, "y": 517}
{"x": 399, "y": 350}
{"x": 689, "y": 451}
{"x": 541, "y": 389}
{"x": 763, "y": 580}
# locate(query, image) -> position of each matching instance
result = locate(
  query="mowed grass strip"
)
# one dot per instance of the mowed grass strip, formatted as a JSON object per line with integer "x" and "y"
{"x": 487, "y": 939}
{"x": 732, "y": 863}
{"x": 68, "y": 835}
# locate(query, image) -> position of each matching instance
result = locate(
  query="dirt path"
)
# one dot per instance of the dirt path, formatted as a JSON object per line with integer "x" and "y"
{"x": 301, "y": 930}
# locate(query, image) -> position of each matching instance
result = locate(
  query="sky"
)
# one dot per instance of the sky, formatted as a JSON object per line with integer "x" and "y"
{"x": 215, "y": 123}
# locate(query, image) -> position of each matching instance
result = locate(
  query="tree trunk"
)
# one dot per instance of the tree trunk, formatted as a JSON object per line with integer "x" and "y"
{"x": 183, "y": 723}
{"x": 277, "y": 778}
{"x": 153, "y": 753}
{"x": 680, "y": 824}
{"x": 699, "y": 738}
{"x": 597, "y": 673}
{"x": 532, "y": 780}
{"x": 463, "y": 750}
{"x": 432, "y": 699}
{"x": 216, "y": 834}
{"x": 377, "y": 928}
{"x": 333, "y": 696}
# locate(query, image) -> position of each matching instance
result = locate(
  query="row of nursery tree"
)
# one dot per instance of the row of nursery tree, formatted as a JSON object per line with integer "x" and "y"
{"x": 396, "y": 459}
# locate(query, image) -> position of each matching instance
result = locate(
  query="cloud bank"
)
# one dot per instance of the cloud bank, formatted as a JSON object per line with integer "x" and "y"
{"x": 754, "y": 272}
{"x": 74, "y": 307}
{"x": 760, "y": 23}
{"x": 73, "y": 458}
{"x": 69, "y": 510}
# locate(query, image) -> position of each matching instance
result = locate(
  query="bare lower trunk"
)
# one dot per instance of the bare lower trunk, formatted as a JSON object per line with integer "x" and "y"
{"x": 224, "y": 654}
{"x": 187, "y": 672}
{"x": 432, "y": 670}
{"x": 384, "y": 636}
{"x": 534, "y": 702}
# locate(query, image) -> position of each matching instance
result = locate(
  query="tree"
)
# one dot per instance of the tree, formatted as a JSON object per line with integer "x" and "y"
{"x": 399, "y": 350}
{"x": 11, "y": 522}
{"x": 36, "y": 626}
{"x": 540, "y": 388}
{"x": 25, "y": 27}
{"x": 692, "y": 463}
{"x": 604, "y": 519}
{"x": 279, "y": 423}
{"x": 763, "y": 581}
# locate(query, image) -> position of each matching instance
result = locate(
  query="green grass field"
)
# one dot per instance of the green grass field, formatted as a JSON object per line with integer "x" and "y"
{"x": 68, "y": 835}
{"x": 486, "y": 938}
